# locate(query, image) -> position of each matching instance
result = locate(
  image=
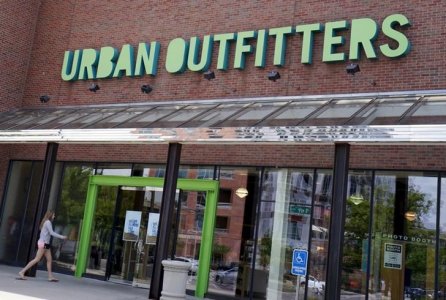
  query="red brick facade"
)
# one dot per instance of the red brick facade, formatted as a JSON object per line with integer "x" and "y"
{"x": 35, "y": 35}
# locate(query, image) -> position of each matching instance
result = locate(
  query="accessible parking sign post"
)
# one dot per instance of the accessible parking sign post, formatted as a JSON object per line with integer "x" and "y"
{"x": 299, "y": 266}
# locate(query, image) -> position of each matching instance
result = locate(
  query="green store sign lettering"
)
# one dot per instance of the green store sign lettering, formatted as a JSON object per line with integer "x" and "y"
{"x": 184, "y": 55}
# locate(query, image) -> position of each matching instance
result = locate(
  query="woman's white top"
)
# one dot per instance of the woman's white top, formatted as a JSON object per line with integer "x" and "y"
{"x": 47, "y": 231}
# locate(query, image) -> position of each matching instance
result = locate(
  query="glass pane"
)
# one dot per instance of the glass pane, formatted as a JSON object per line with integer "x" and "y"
{"x": 442, "y": 254}
{"x": 182, "y": 116}
{"x": 119, "y": 117}
{"x": 403, "y": 248}
{"x": 67, "y": 116}
{"x": 91, "y": 117}
{"x": 114, "y": 169}
{"x": 431, "y": 111}
{"x": 284, "y": 226}
{"x": 294, "y": 113}
{"x": 146, "y": 118}
{"x": 18, "y": 212}
{"x": 337, "y": 113}
{"x": 384, "y": 111}
{"x": 215, "y": 116}
{"x": 356, "y": 237}
{"x": 101, "y": 233}
{"x": 232, "y": 251}
{"x": 321, "y": 221}
{"x": 253, "y": 114}
{"x": 70, "y": 211}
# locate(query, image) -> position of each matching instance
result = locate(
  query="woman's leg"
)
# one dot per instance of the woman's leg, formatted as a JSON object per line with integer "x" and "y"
{"x": 36, "y": 259}
{"x": 49, "y": 262}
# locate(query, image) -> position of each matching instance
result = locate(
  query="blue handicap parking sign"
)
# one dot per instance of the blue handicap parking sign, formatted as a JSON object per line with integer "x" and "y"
{"x": 299, "y": 263}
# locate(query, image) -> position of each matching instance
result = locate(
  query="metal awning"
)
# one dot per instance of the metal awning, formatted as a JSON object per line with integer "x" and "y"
{"x": 418, "y": 116}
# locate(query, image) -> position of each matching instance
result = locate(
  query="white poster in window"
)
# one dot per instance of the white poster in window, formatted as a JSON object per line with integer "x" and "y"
{"x": 131, "y": 225}
{"x": 393, "y": 256}
{"x": 152, "y": 228}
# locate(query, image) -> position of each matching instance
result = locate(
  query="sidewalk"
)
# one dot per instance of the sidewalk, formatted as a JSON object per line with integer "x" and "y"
{"x": 68, "y": 288}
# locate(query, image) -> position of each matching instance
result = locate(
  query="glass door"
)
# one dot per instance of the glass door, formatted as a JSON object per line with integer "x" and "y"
{"x": 134, "y": 235}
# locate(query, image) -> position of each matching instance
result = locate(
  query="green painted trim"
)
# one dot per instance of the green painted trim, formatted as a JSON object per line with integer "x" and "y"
{"x": 87, "y": 223}
{"x": 211, "y": 187}
{"x": 207, "y": 236}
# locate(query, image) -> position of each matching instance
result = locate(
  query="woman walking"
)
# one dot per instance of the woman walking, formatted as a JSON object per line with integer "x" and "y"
{"x": 43, "y": 246}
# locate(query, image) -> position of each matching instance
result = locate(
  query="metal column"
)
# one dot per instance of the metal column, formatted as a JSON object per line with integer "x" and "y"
{"x": 336, "y": 240}
{"x": 42, "y": 202}
{"x": 166, "y": 217}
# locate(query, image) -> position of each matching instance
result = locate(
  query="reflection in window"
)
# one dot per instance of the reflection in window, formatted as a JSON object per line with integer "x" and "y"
{"x": 442, "y": 254}
{"x": 285, "y": 225}
{"x": 355, "y": 252}
{"x": 403, "y": 249}
{"x": 70, "y": 211}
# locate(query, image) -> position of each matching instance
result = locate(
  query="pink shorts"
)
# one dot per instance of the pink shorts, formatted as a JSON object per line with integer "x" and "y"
{"x": 42, "y": 245}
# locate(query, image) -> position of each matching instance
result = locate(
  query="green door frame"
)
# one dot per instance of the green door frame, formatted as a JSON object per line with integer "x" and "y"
{"x": 211, "y": 187}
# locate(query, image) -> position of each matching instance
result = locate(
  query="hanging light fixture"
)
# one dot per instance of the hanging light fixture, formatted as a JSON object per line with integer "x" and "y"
{"x": 241, "y": 192}
{"x": 410, "y": 215}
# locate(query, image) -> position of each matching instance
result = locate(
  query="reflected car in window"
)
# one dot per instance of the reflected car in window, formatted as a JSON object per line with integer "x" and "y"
{"x": 227, "y": 276}
{"x": 194, "y": 264}
{"x": 313, "y": 283}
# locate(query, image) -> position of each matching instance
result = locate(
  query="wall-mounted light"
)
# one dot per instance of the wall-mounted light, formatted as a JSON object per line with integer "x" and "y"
{"x": 146, "y": 88}
{"x": 94, "y": 87}
{"x": 241, "y": 192}
{"x": 209, "y": 75}
{"x": 352, "y": 68}
{"x": 273, "y": 75}
{"x": 44, "y": 98}
{"x": 410, "y": 215}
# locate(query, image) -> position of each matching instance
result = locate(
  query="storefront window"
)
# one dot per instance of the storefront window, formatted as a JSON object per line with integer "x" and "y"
{"x": 19, "y": 209}
{"x": 70, "y": 211}
{"x": 442, "y": 254}
{"x": 356, "y": 236}
{"x": 320, "y": 232}
{"x": 232, "y": 251}
{"x": 283, "y": 226}
{"x": 403, "y": 243}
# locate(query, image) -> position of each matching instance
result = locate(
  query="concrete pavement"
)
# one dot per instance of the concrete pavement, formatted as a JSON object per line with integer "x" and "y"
{"x": 68, "y": 288}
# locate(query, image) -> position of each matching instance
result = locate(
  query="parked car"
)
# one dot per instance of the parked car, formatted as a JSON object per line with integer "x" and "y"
{"x": 227, "y": 276}
{"x": 313, "y": 283}
{"x": 194, "y": 268}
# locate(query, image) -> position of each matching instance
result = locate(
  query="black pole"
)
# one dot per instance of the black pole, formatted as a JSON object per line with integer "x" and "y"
{"x": 337, "y": 222}
{"x": 166, "y": 216}
{"x": 42, "y": 202}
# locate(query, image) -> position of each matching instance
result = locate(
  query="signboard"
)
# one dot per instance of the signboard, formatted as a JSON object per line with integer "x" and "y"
{"x": 152, "y": 228}
{"x": 299, "y": 263}
{"x": 393, "y": 256}
{"x": 131, "y": 226}
{"x": 302, "y": 210}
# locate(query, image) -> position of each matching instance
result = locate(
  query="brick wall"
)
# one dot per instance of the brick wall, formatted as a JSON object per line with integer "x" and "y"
{"x": 17, "y": 27}
{"x": 83, "y": 24}
{"x": 405, "y": 157}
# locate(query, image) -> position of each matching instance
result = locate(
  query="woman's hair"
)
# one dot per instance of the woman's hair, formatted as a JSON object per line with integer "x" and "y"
{"x": 48, "y": 216}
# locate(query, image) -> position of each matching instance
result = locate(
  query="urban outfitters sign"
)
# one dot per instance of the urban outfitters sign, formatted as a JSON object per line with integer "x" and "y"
{"x": 181, "y": 55}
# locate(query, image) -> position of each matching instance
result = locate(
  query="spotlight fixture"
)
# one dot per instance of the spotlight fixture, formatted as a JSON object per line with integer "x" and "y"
{"x": 352, "y": 68}
{"x": 209, "y": 75}
{"x": 273, "y": 75}
{"x": 94, "y": 87}
{"x": 44, "y": 98}
{"x": 146, "y": 89}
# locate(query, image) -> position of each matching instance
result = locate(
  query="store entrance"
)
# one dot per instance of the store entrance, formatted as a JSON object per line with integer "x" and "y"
{"x": 123, "y": 240}
{"x": 120, "y": 225}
